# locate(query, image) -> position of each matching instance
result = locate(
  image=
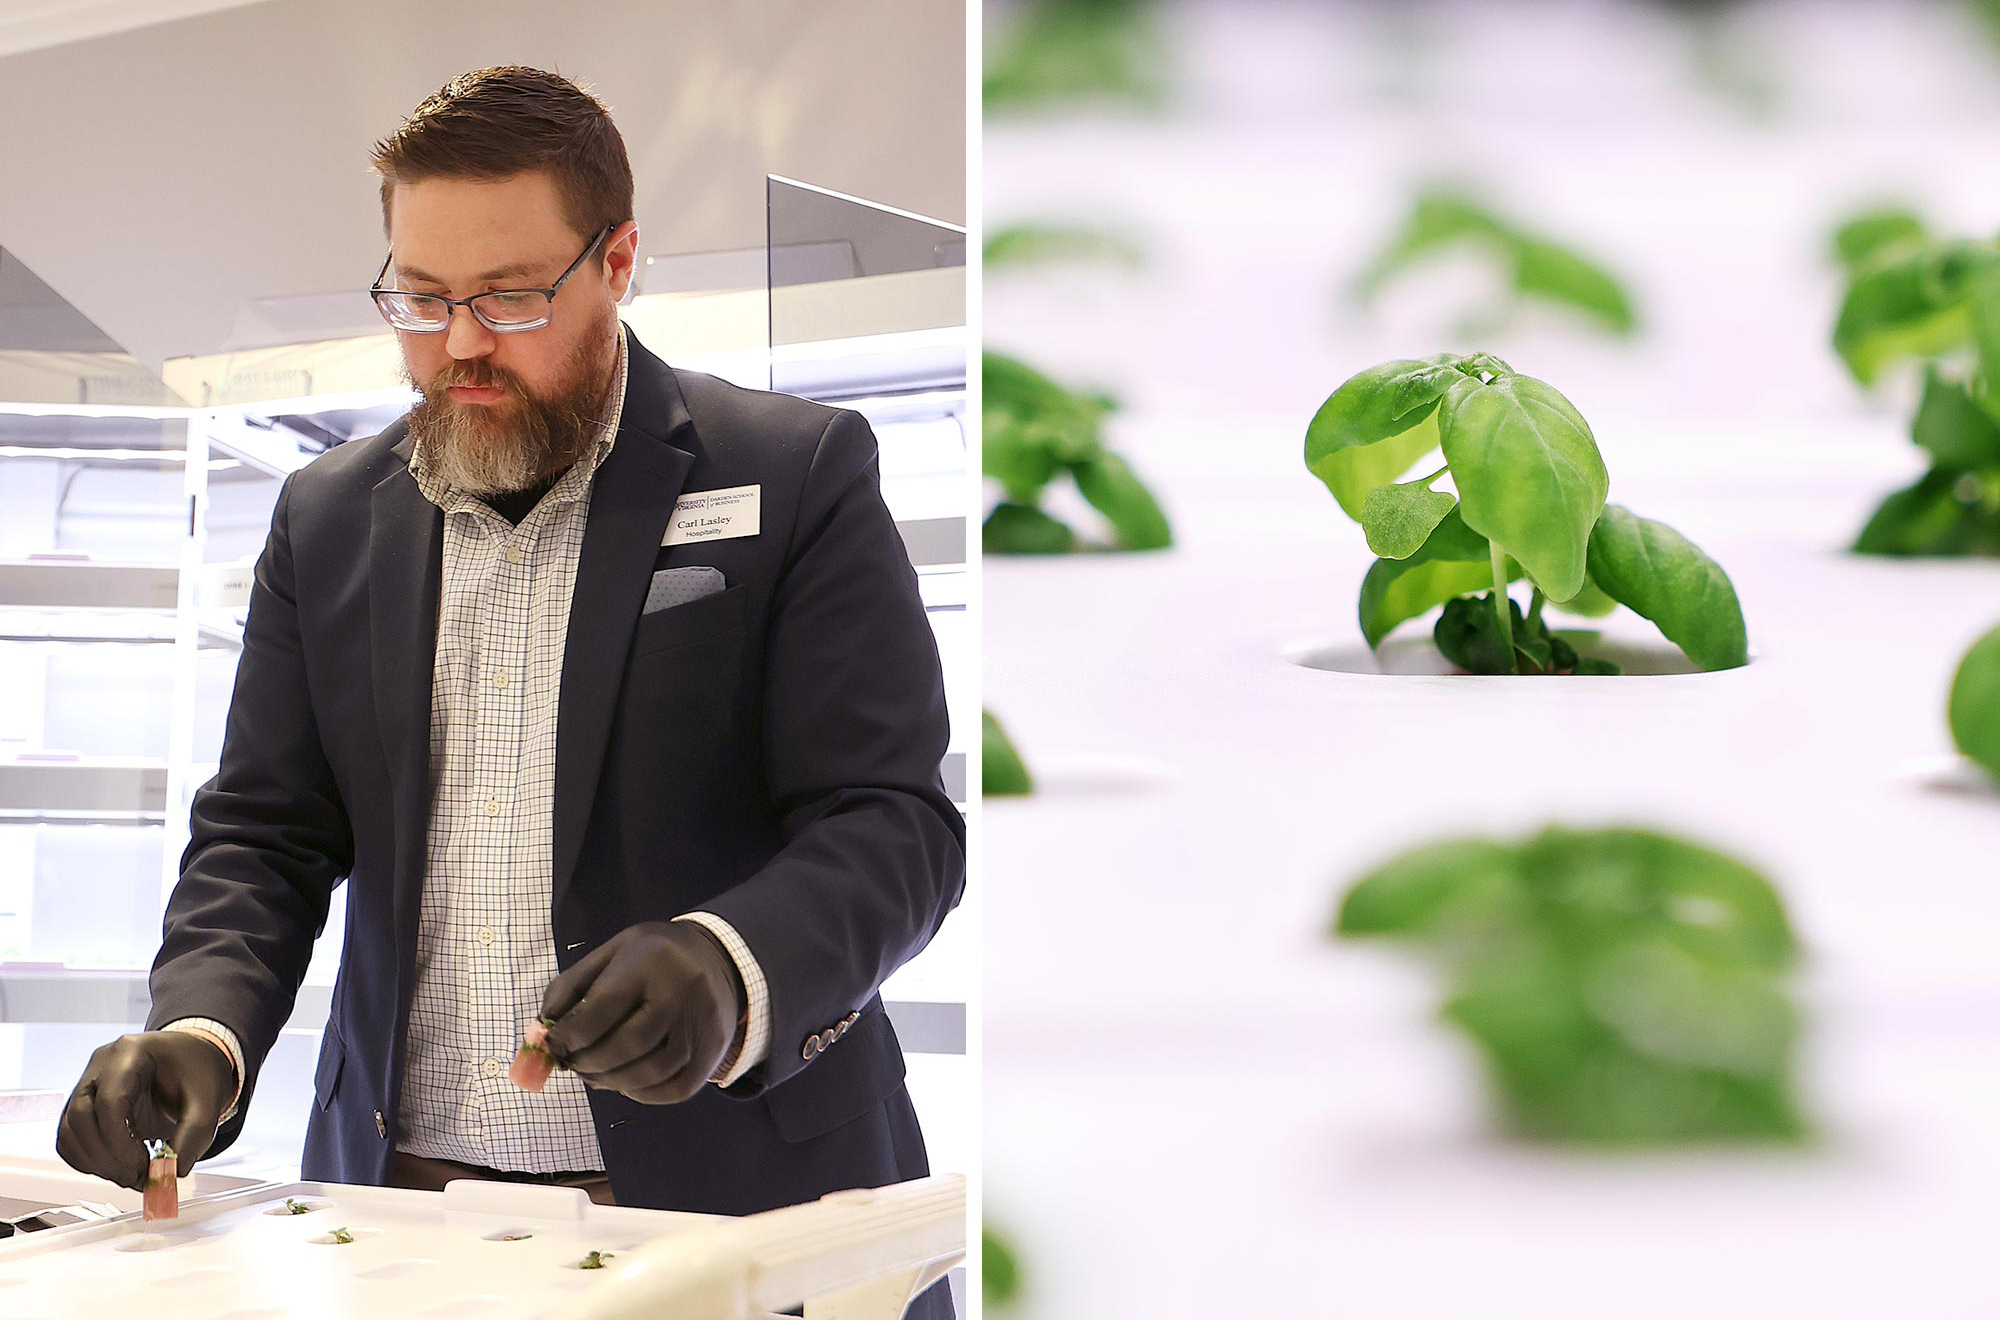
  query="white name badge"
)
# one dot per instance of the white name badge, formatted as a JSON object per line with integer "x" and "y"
{"x": 715, "y": 515}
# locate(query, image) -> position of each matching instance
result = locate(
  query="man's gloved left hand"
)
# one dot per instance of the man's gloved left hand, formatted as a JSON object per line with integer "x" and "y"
{"x": 650, "y": 1014}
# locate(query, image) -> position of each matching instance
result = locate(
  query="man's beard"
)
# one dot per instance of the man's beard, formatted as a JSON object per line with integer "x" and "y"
{"x": 519, "y": 442}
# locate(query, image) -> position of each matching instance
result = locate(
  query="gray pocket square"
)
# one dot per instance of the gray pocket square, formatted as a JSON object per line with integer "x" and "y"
{"x": 678, "y": 586}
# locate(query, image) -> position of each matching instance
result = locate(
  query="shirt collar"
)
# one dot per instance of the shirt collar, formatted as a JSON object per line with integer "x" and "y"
{"x": 570, "y": 486}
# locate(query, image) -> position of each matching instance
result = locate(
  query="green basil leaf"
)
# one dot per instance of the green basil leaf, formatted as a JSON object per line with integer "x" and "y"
{"x": 999, "y": 1269}
{"x": 1372, "y": 428}
{"x": 1553, "y": 272}
{"x": 1399, "y": 519}
{"x": 1897, "y": 309}
{"x": 1064, "y": 51}
{"x": 1454, "y": 561}
{"x": 1865, "y": 238}
{"x": 1022, "y": 529}
{"x": 1589, "y": 603}
{"x": 1946, "y": 512}
{"x": 1441, "y": 217}
{"x": 1659, "y": 574}
{"x": 1974, "y": 707}
{"x": 1107, "y": 481}
{"x": 1956, "y": 430}
{"x": 1528, "y": 473}
{"x": 1026, "y": 407}
{"x": 1467, "y": 881}
{"x": 1002, "y": 771}
{"x": 1664, "y": 1002}
{"x": 1468, "y": 634}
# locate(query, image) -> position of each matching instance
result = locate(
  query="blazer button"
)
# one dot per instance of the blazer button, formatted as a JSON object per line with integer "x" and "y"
{"x": 812, "y": 1047}
{"x": 826, "y": 1038}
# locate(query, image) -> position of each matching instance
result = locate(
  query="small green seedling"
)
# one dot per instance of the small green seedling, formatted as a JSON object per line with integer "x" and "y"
{"x": 342, "y": 1235}
{"x": 1974, "y": 707}
{"x": 1538, "y": 268}
{"x": 1035, "y": 431}
{"x": 1000, "y": 766}
{"x": 1913, "y": 297}
{"x": 294, "y": 1206}
{"x": 1065, "y": 51}
{"x": 594, "y": 1260}
{"x": 1621, "y": 985}
{"x": 1528, "y": 503}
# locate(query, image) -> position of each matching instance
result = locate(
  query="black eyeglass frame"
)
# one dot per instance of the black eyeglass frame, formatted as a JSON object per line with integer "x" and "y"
{"x": 376, "y": 291}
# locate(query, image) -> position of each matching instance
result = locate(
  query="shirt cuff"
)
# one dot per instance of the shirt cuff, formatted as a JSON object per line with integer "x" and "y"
{"x": 757, "y": 1032}
{"x": 231, "y": 1046}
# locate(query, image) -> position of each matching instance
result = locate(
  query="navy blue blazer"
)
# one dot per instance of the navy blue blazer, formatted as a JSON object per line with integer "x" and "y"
{"x": 769, "y": 753}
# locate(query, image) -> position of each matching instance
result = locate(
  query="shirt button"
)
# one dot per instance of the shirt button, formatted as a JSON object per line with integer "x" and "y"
{"x": 492, "y": 806}
{"x": 486, "y": 934}
{"x": 491, "y": 1067}
{"x": 499, "y": 679}
{"x": 513, "y": 554}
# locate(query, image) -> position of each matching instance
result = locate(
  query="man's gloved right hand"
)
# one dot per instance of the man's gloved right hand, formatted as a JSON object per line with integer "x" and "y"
{"x": 151, "y": 1084}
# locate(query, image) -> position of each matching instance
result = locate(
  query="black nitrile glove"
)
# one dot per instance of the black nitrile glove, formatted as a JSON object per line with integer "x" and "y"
{"x": 650, "y": 1014}
{"x": 141, "y": 1087}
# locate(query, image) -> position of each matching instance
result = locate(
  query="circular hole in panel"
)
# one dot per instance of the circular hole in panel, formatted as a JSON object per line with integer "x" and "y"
{"x": 358, "y": 1234}
{"x": 401, "y": 1269}
{"x": 310, "y": 1206}
{"x": 1948, "y": 775}
{"x": 143, "y": 1242}
{"x": 510, "y": 1235}
{"x": 482, "y": 1305}
{"x": 1416, "y": 656}
{"x": 609, "y": 1254}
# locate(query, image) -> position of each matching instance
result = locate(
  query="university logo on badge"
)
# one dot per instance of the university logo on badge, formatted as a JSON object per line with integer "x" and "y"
{"x": 715, "y": 515}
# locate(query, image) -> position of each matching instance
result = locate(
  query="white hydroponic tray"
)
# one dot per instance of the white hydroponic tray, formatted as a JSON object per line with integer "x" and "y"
{"x": 241, "y": 1256}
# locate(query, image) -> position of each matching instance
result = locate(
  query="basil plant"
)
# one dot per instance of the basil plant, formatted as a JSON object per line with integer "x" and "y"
{"x": 1913, "y": 297}
{"x": 1035, "y": 432}
{"x": 1974, "y": 707}
{"x": 1621, "y": 985}
{"x": 1528, "y": 503}
{"x": 1537, "y": 267}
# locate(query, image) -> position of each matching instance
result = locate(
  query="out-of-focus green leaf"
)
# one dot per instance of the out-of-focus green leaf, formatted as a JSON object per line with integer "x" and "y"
{"x": 1867, "y": 237}
{"x": 1559, "y": 275}
{"x": 1957, "y": 432}
{"x": 1065, "y": 51}
{"x": 999, "y": 1270}
{"x": 1622, "y": 985}
{"x": 1110, "y": 486}
{"x": 1038, "y": 243}
{"x": 1002, "y": 771}
{"x": 1946, "y": 512}
{"x": 1974, "y": 706}
{"x": 1022, "y": 529}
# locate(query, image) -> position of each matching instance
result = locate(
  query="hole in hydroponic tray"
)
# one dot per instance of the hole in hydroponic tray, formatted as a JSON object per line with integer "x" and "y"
{"x": 510, "y": 1235}
{"x": 1948, "y": 774}
{"x": 285, "y": 1208}
{"x": 401, "y": 1269}
{"x": 328, "y": 1239}
{"x": 465, "y": 1308}
{"x": 1415, "y": 655}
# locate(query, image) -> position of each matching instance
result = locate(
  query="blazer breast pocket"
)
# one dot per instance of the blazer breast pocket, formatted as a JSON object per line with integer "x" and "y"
{"x": 697, "y": 620}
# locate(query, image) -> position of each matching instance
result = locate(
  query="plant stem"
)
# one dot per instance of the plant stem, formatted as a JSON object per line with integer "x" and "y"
{"x": 1501, "y": 605}
{"x": 1535, "y": 608}
{"x": 1426, "y": 481}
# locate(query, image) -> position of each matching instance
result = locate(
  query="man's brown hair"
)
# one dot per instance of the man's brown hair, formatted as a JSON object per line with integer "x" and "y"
{"x": 493, "y": 123}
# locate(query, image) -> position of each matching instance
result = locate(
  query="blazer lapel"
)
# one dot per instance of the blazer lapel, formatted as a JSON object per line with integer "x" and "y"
{"x": 405, "y": 552}
{"x": 631, "y": 497}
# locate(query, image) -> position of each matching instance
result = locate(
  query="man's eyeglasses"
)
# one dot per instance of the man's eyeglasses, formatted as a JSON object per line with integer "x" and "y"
{"x": 504, "y": 311}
